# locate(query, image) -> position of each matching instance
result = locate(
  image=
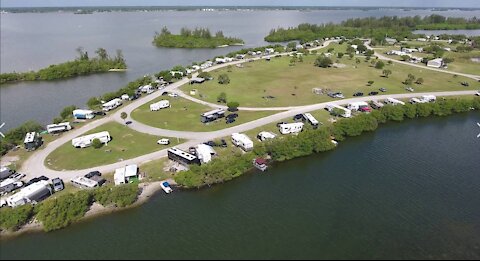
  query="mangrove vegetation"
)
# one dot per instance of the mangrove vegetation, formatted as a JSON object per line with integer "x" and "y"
{"x": 197, "y": 38}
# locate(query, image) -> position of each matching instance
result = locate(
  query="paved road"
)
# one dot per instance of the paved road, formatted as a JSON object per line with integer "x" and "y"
{"x": 34, "y": 165}
{"x": 383, "y": 57}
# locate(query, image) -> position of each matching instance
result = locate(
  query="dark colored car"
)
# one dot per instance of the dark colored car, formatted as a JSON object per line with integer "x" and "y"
{"x": 128, "y": 122}
{"x": 223, "y": 143}
{"x": 93, "y": 173}
{"x": 232, "y": 109}
{"x": 372, "y": 93}
{"x": 232, "y": 116}
{"x": 280, "y": 123}
{"x": 358, "y": 94}
{"x": 465, "y": 84}
{"x": 230, "y": 120}
{"x": 298, "y": 117}
{"x": 35, "y": 180}
{"x": 164, "y": 93}
{"x": 382, "y": 89}
{"x": 210, "y": 143}
{"x": 100, "y": 113}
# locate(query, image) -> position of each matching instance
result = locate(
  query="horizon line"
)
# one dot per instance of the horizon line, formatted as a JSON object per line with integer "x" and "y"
{"x": 263, "y": 6}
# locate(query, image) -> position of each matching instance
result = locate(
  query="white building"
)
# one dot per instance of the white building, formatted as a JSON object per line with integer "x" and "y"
{"x": 54, "y": 128}
{"x": 159, "y": 105}
{"x": 86, "y": 141}
{"x": 83, "y": 114}
{"x": 82, "y": 182}
{"x": 243, "y": 141}
{"x": 288, "y": 128}
{"x": 436, "y": 63}
{"x": 110, "y": 105}
{"x": 125, "y": 174}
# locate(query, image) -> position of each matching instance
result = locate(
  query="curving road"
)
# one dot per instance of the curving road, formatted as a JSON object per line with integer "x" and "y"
{"x": 34, "y": 166}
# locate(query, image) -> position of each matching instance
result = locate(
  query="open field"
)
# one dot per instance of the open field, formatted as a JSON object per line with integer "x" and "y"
{"x": 257, "y": 82}
{"x": 125, "y": 144}
{"x": 185, "y": 115}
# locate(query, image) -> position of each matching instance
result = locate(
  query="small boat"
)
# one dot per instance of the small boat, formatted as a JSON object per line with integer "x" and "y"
{"x": 166, "y": 187}
{"x": 260, "y": 164}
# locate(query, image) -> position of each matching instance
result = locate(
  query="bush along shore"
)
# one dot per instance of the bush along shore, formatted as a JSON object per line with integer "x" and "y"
{"x": 82, "y": 65}
{"x": 197, "y": 38}
{"x": 314, "y": 141}
{"x": 59, "y": 212}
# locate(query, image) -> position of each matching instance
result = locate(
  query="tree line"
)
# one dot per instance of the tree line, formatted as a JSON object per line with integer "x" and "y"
{"x": 196, "y": 38}
{"x": 82, "y": 65}
{"x": 375, "y": 28}
{"x": 317, "y": 140}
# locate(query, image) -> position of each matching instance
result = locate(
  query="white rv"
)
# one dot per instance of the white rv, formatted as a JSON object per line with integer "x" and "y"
{"x": 417, "y": 100}
{"x": 393, "y": 101}
{"x": 429, "y": 98}
{"x": 82, "y": 182}
{"x": 110, "y": 105}
{"x": 288, "y": 128}
{"x": 265, "y": 135}
{"x": 355, "y": 106}
{"x": 61, "y": 127}
{"x": 83, "y": 114}
{"x": 243, "y": 141}
{"x": 31, "y": 194}
{"x": 147, "y": 88}
{"x": 310, "y": 119}
{"x": 86, "y": 141}
{"x": 159, "y": 105}
{"x": 346, "y": 113}
{"x": 205, "y": 153}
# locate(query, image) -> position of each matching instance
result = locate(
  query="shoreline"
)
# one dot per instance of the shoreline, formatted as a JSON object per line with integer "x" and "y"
{"x": 96, "y": 210}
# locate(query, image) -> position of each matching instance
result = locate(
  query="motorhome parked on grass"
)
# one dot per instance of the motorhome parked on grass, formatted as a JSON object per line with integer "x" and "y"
{"x": 288, "y": 128}
{"x": 86, "y": 141}
{"x": 346, "y": 113}
{"x": 33, "y": 193}
{"x": 110, "y": 105}
{"x": 243, "y": 141}
{"x": 159, "y": 105}
{"x": 61, "y": 127}
{"x": 393, "y": 101}
{"x": 83, "y": 114}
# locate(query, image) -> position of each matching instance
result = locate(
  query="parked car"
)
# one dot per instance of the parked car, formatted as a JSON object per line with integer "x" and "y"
{"x": 163, "y": 141}
{"x": 365, "y": 109}
{"x": 128, "y": 122}
{"x": 57, "y": 184}
{"x": 99, "y": 113}
{"x": 172, "y": 94}
{"x": 17, "y": 176}
{"x": 298, "y": 117}
{"x": 93, "y": 173}
{"x": 230, "y": 120}
{"x": 382, "y": 89}
{"x": 372, "y": 93}
{"x": 465, "y": 84}
{"x": 410, "y": 89}
{"x": 477, "y": 93}
{"x": 223, "y": 143}
{"x": 35, "y": 180}
{"x": 210, "y": 143}
{"x": 358, "y": 94}
{"x": 232, "y": 116}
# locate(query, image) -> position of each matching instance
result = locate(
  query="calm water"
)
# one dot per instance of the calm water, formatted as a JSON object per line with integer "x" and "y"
{"x": 30, "y": 41}
{"x": 409, "y": 190}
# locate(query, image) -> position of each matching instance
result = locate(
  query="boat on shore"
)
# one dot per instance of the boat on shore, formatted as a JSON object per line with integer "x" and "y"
{"x": 117, "y": 70}
{"x": 260, "y": 164}
{"x": 166, "y": 187}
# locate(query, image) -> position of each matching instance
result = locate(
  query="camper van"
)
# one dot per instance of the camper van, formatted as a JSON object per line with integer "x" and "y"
{"x": 242, "y": 141}
{"x": 393, "y": 101}
{"x": 212, "y": 115}
{"x": 32, "y": 141}
{"x": 310, "y": 119}
{"x": 429, "y": 98}
{"x": 288, "y": 128}
{"x": 112, "y": 104}
{"x": 86, "y": 141}
{"x": 61, "y": 127}
{"x": 159, "y": 105}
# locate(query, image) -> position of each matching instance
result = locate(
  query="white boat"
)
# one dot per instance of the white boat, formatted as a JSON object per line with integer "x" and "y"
{"x": 166, "y": 187}
{"x": 260, "y": 164}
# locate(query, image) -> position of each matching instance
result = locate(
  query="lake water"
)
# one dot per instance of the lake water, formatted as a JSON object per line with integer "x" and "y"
{"x": 30, "y": 41}
{"x": 409, "y": 190}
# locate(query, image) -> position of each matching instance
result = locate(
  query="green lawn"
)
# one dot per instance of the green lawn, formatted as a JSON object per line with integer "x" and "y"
{"x": 185, "y": 115}
{"x": 125, "y": 144}
{"x": 292, "y": 85}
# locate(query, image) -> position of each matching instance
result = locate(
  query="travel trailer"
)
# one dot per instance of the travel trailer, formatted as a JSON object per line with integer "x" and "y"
{"x": 159, "y": 105}
{"x": 86, "y": 141}
{"x": 242, "y": 141}
{"x": 288, "y": 128}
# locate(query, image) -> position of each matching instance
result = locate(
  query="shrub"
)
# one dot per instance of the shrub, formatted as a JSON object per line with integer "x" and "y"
{"x": 14, "y": 218}
{"x": 379, "y": 65}
{"x": 223, "y": 79}
{"x": 323, "y": 61}
{"x": 233, "y": 105}
{"x": 120, "y": 196}
{"x": 96, "y": 143}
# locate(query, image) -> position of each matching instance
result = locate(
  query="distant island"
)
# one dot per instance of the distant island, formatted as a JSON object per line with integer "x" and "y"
{"x": 375, "y": 28}
{"x": 82, "y": 65}
{"x": 197, "y": 38}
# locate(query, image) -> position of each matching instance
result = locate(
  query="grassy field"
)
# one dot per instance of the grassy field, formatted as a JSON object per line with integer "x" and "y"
{"x": 185, "y": 115}
{"x": 292, "y": 85}
{"x": 125, "y": 144}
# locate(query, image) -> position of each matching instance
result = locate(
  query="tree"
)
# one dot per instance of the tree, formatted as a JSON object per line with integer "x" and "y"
{"x": 331, "y": 49}
{"x": 411, "y": 77}
{"x": 291, "y": 45}
{"x": 379, "y": 65}
{"x": 205, "y": 75}
{"x": 340, "y": 55}
{"x": 97, "y": 144}
{"x": 223, "y": 79}
{"x": 419, "y": 81}
{"x": 293, "y": 60}
{"x": 357, "y": 61}
{"x": 405, "y": 58}
{"x": 123, "y": 115}
{"x": 222, "y": 97}
{"x": 93, "y": 103}
{"x": 102, "y": 53}
{"x": 233, "y": 105}
{"x": 370, "y": 83}
{"x": 67, "y": 111}
{"x": 350, "y": 55}
{"x": 386, "y": 73}
{"x": 323, "y": 61}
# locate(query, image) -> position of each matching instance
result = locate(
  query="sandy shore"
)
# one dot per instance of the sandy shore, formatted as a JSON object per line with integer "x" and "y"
{"x": 147, "y": 191}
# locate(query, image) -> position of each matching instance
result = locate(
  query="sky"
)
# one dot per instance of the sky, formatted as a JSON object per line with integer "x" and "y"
{"x": 389, "y": 3}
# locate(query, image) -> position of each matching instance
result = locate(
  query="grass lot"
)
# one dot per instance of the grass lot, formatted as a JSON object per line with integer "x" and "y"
{"x": 125, "y": 144}
{"x": 292, "y": 85}
{"x": 185, "y": 115}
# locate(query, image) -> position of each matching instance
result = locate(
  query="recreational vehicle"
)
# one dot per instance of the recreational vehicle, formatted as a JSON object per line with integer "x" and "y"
{"x": 310, "y": 119}
{"x": 346, "y": 113}
{"x": 159, "y": 105}
{"x": 288, "y": 128}
{"x": 393, "y": 101}
{"x": 33, "y": 193}
{"x": 212, "y": 115}
{"x": 204, "y": 153}
{"x": 112, "y": 104}
{"x": 264, "y": 135}
{"x": 355, "y": 106}
{"x": 32, "y": 141}
{"x": 242, "y": 141}
{"x": 82, "y": 182}
{"x": 83, "y": 114}
{"x": 182, "y": 157}
{"x": 86, "y": 141}
{"x": 429, "y": 98}
{"x": 61, "y": 127}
